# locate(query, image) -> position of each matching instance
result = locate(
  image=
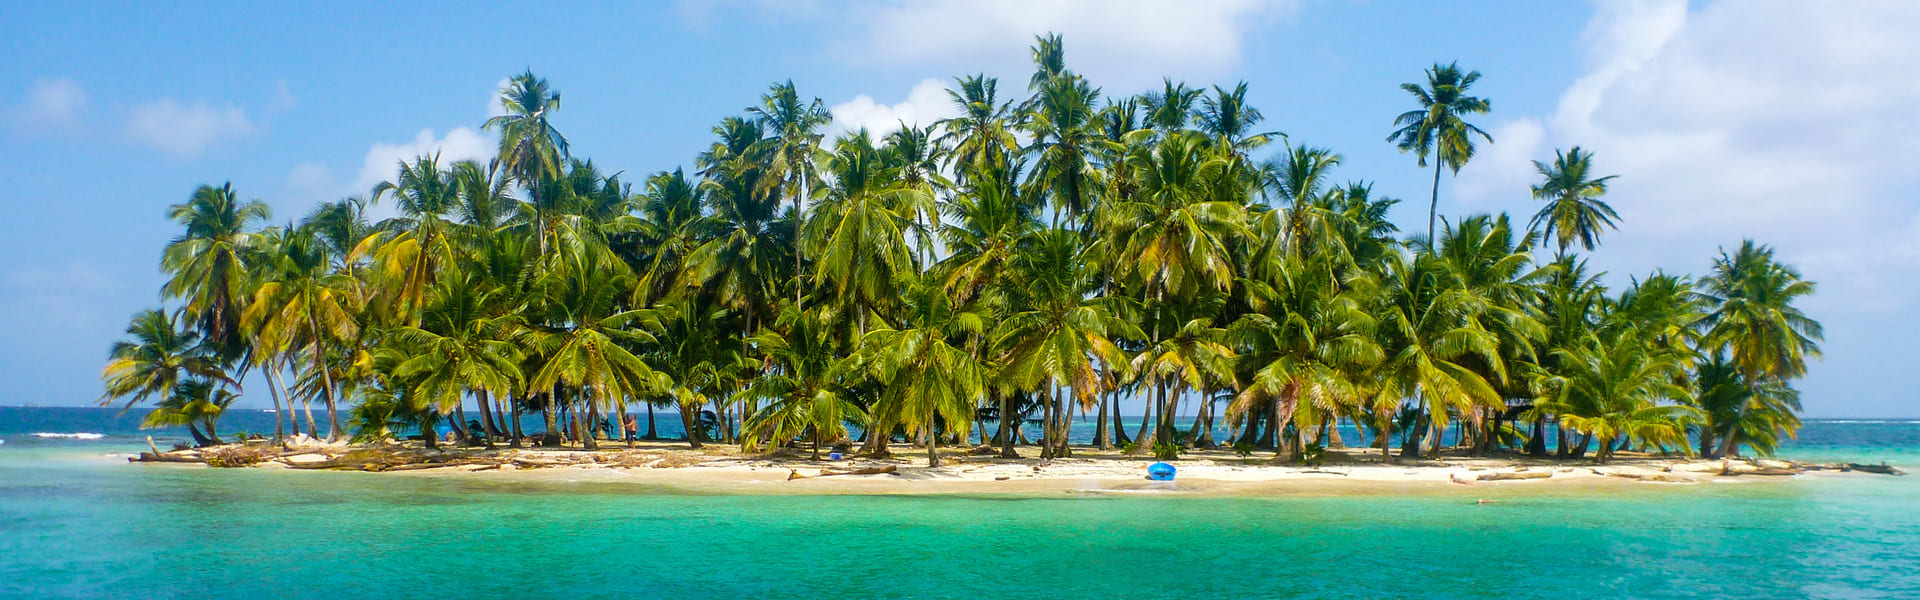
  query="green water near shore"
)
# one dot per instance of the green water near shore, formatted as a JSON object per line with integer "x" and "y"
{"x": 77, "y": 521}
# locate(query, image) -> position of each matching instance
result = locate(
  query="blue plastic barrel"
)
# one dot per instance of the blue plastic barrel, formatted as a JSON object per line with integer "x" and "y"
{"x": 1160, "y": 471}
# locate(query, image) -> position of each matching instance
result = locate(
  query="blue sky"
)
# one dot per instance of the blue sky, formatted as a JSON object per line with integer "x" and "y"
{"x": 1785, "y": 121}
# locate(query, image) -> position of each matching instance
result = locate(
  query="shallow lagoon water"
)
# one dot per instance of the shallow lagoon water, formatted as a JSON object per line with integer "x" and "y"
{"x": 77, "y": 521}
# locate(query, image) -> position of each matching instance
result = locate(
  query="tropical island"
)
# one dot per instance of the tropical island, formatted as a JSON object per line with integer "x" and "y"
{"x": 967, "y": 293}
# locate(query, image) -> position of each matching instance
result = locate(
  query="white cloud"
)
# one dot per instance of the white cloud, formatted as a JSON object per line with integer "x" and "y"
{"x": 1126, "y": 44}
{"x": 311, "y": 183}
{"x": 187, "y": 130}
{"x": 496, "y": 108}
{"x": 1787, "y": 122}
{"x": 926, "y": 103}
{"x": 51, "y": 105}
{"x": 1503, "y": 169}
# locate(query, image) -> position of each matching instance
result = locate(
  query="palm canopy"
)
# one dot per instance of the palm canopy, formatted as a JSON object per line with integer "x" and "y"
{"x": 207, "y": 265}
{"x": 531, "y": 148}
{"x": 1765, "y": 336}
{"x": 158, "y": 354}
{"x": 1574, "y": 212}
{"x": 1438, "y": 128}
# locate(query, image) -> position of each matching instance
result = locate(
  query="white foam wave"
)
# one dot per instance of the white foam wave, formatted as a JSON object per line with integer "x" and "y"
{"x": 69, "y": 436}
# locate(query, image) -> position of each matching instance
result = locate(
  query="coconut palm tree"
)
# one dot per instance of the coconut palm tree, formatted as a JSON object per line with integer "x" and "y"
{"x": 1574, "y": 211}
{"x": 807, "y": 387}
{"x": 1756, "y": 324}
{"x": 981, "y": 138}
{"x": 1063, "y": 124}
{"x": 927, "y": 378}
{"x": 196, "y": 403}
{"x": 1614, "y": 388}
{"x": 159, "y": 353}
{"x": 305, "y": 303}
{"x": 1226, "y": 117}
{"x": 461, "y": 347}
{"x": 1063, "y": 334}
{"x": 1438, "y": 128}
{"x": 793, "y": 145}
{"x": 207, "y": 265}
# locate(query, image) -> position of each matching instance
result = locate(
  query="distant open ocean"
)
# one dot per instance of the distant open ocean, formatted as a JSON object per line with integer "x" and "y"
{"x": 78, "y": 521}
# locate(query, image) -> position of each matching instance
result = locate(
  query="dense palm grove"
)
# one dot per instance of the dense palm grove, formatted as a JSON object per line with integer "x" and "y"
{"x": 993, "y": 278}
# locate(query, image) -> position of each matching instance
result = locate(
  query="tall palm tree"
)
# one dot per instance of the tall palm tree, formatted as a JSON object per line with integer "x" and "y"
{"x": 1438, "y": 129}
{"x": 1062, "y": 336}
{"x": 1614, "y": 389}
{"x": 461, "y": 346}
{"x": 1169, "y": 109}
{"x": 207, "y": 265}
{"x": 306, "y": 303}
{"x": 1226, "y": 117}
{"x": 1765, "y": 336}
{"x": 1574, "y": 211}
{"x": 794, "y": 143}
{"x": 1064, "y": 127}
{"x": 531, "y": 148}
{"x": 981, "y": 138}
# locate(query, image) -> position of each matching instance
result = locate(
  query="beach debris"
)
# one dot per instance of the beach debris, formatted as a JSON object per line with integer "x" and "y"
{"x": 793, "y": 474}
{"x": 1514, "y": 475}
{"x": 1456, "y": 478}
{"x": 1880, "y": 469}
{"x": 1002, "y": 478}
{"x": 1485, "y": 501}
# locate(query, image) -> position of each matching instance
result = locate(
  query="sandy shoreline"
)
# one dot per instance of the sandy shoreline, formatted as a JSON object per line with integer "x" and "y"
{"x": 722, "y": 469}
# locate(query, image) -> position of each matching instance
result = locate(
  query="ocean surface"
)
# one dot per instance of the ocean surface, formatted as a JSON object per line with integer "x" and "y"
{"x": 78, "y": 521}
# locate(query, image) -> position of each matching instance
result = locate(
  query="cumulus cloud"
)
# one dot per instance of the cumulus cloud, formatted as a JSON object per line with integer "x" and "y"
{"x": 1123, "y": 43}
{"x": 187, "y": 130}
{"x": 1787, "y": 122}
{"x": 51, "y": 105}
{"x": 314, "y": 182}
{"x": 926, "y": 103}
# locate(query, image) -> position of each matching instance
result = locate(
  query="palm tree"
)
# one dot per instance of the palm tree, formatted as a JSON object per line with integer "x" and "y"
{"x": 591, "y": 346}
{"x": 1764, "y": 335}
{"x": 460, "y": 347}
{"x": 981, "y": 138}
{"x": 1226, "y": 117}
{"x": 158, "y": 355}
{"x": 195, "y": 403}
{"x": 208, "y": 263}
{"x": 931, "y": 383}
{"x": 806, "y": 390}
{"x": 1574, "y": 211}
{"x": 1438, "y": 128}
{"x": 306, "y": 301}
{"x": 1169, "y": 109}
{"x": 1063, "y": 126}
{"x": 857, "y": 235}
{"x": 1614, "y": 388}
{"x": 1062, "y": 336}
{"x": 531, "y": 149}
{"x": 795, "y": 142}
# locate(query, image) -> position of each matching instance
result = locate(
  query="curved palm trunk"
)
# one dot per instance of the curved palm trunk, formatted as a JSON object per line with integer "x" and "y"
{"x": 486, "y": 417}
{"x": 1729, "y": 445}
{"x": 1386, "y": 438}
{"x": 652, "y": 433}
{"x": 279, "y": 419}
{"x": 1119, "y": 424}
{"x": 514, "y": 408}
{"x": 690, "y": 423}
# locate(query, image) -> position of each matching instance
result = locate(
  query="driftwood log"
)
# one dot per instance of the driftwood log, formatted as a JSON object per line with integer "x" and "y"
{"x": 1882, "y": 469}
{"x": 886, "y": 470}
{"x": 1515, "y": 475}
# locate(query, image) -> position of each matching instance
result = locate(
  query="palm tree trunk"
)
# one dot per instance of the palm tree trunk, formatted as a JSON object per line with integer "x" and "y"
{"x": 1046, "y": 423}
{"x": 1144, "y": 438}
{"x": 1006, "y": 428}
{"x": 1433, "y": 206}
{"x": 652, "y": 433}
{"x": 326, "y": 383}
{"x": 514, "y": 408}
{"x": 1119, "y": 424}
{"x": 460, "y": 433}
{"x": 690, "y": 422}
{"x": 933, "y": 442}
{"x": 1729, "y": 445}
{"x": 547, "y": 412}
{"x": 273, "y": 389}
{"x": 486, "y": 417}
{"x": 1100, "y": 435}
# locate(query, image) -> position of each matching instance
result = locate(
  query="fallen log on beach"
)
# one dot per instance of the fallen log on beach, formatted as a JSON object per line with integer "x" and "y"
{"x": 1514, "y": 475}
{"x": 793, "y": 474}
{"x": 1880, "y": 469}
{"x": 165, "y": 458}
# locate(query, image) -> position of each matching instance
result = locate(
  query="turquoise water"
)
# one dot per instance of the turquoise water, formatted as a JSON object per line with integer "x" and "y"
{"x": 77, "y": 521}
